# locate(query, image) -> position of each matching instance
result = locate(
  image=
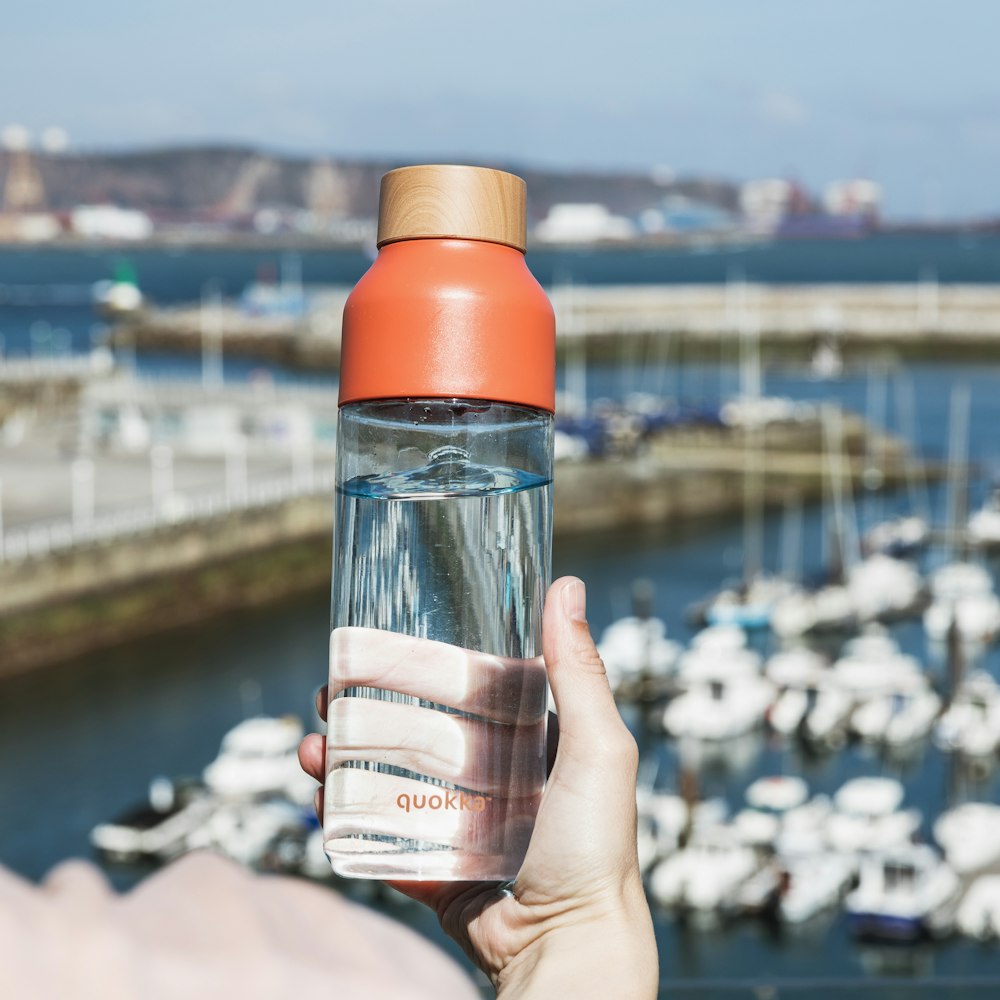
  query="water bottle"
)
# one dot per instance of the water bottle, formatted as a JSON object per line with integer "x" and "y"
{"x": 442, "y": 538}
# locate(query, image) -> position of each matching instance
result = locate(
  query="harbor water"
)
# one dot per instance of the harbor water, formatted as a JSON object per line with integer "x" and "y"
{"x": 80, "y": 742}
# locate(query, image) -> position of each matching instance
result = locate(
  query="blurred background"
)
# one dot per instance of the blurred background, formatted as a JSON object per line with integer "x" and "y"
{"x": 771, "y": 233}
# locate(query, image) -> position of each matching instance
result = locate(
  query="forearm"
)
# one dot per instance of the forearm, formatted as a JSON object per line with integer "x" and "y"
{"x": 601, "y": 960}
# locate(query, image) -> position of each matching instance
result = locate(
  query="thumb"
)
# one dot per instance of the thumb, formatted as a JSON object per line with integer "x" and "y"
{"x": 589, "y": 722}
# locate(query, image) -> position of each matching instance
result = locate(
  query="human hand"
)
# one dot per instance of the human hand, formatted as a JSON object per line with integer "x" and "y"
{"x": 575, "y": 921}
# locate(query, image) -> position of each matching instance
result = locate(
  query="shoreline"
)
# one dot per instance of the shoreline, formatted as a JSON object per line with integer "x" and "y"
{"x": 179, "y": 239}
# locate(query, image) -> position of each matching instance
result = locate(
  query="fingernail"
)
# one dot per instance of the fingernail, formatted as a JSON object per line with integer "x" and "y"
{"x": 574, "y": 601}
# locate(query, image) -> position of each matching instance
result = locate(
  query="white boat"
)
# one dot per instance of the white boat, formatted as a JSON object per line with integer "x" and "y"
{"x": 962, "y": 594}
{"x": 984, "y": 525}
{"x": 803, "y": 829}
{"x": 867, "y": 817}
{"x": 735, "y": 756}
{"x": 797, "y": 673}
{"x": 872, "y": 665}
{"x": 826, "y": 362}
{"x": 978, "y": 914}
{"x": 258, "y": 757}
{"x": 723, "y": 699}
{"x": 828, "y": 716}
{"x": 829, "y": 609}
{"x": 160, "y": 828}
{"x": 244, "y": 829}
{"x": 777, "y": 793}
{"x": 814, "y": 882}
{"x": 805, "y": 877}
{"x": 899, "y": 537}
{"x": 901, "y": 716}
{"x": 960, "y": 579}
{"x": 789, "y": 710}
{"x": 881, "y": 587}
{"x": 720, "y": 638}
{"x": 971, "y": 724}
{"x": 634, "y": 647}
{"x": 798, "y": 665}
{"x": 707, "y": 874}
{"x": 667, "y": 815}
{"x": 976, "y": 616}
{"x": 969, "y": 835}
{"x": 873, "y": 644}
{"x": 568, "y": 447}
{"x": 760, "y": 892}
{"x": 117, "y": 299}
{"x": 903, "y": 894}
{"x": 702, "y": 664}
{"x": 768, "y": 799}
{"x": 749, "y": 606}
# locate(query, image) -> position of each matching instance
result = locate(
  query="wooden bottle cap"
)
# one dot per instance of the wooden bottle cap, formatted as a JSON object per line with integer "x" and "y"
{"x": 447, "y": 201}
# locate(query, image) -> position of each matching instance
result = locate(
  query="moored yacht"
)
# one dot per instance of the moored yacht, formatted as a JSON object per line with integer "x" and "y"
{"x": 962, "y": 593}
{"x": 705, "y": 875}
{"x": 724, "y": 698}
{"x": 969, "y": 835}
{"x": 903, "y": 894}
{"x": 971, "y": 724}
{"x": 899, "y": 716}
{"x": 160, "y": 828}
{"x": 867, "y": 817}
{"x": 259, "y": 757}
{"x": 633, "y": 648}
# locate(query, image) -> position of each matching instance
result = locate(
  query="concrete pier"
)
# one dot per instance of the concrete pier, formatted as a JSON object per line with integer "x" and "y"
{"x": 126, "y": 567}
{"x": 923, "y": 319}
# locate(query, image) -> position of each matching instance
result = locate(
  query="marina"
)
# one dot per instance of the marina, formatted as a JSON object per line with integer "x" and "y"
{"x": 286, "y": 417}
{"x": 771, "y": 796}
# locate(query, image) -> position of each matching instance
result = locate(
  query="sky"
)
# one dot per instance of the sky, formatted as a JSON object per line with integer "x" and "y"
{"x": 904, "y": 91}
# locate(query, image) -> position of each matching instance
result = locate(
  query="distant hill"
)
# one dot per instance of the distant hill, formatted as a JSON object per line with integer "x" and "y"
{"x": 231, "y": 181}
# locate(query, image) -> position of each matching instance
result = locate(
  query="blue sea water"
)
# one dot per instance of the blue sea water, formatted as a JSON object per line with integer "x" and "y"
{"x": 80, "y": 742}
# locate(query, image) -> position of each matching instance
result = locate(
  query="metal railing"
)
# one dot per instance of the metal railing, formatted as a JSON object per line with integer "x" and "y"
{"x": 39, "y": 541}
{"x": 33, "y": 368}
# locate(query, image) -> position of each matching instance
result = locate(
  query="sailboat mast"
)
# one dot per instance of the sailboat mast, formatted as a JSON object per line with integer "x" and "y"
{"x": 958, "y": 458}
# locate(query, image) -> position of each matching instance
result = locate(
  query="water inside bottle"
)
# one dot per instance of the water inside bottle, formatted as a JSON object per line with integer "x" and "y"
{"x": 438, "y": 700}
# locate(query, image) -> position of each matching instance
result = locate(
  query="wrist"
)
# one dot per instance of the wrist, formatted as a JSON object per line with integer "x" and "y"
{"x": 607, "y": 952}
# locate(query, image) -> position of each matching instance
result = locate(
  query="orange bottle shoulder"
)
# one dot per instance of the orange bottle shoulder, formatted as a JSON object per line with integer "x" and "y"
{"x": 449, "y": 318}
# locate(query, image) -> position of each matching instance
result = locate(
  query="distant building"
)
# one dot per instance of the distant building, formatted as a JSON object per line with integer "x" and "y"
{"x": 583, "y": 223}
{"x": 28, "y": 227}
{"x": 23, "y": 217}
{"x": 23, "y": 190}
{"x": 326, "y": 194}
{"x": 853, "y": 197}
{"x": 109, "y": 222}
{"x": 765, "y": 203}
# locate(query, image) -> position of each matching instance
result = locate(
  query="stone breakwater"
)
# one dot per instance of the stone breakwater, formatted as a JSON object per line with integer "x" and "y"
{"x": 911, "y": 320}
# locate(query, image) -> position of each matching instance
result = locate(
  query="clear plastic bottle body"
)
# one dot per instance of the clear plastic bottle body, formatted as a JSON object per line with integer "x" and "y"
{"x": 442, "y": 541}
